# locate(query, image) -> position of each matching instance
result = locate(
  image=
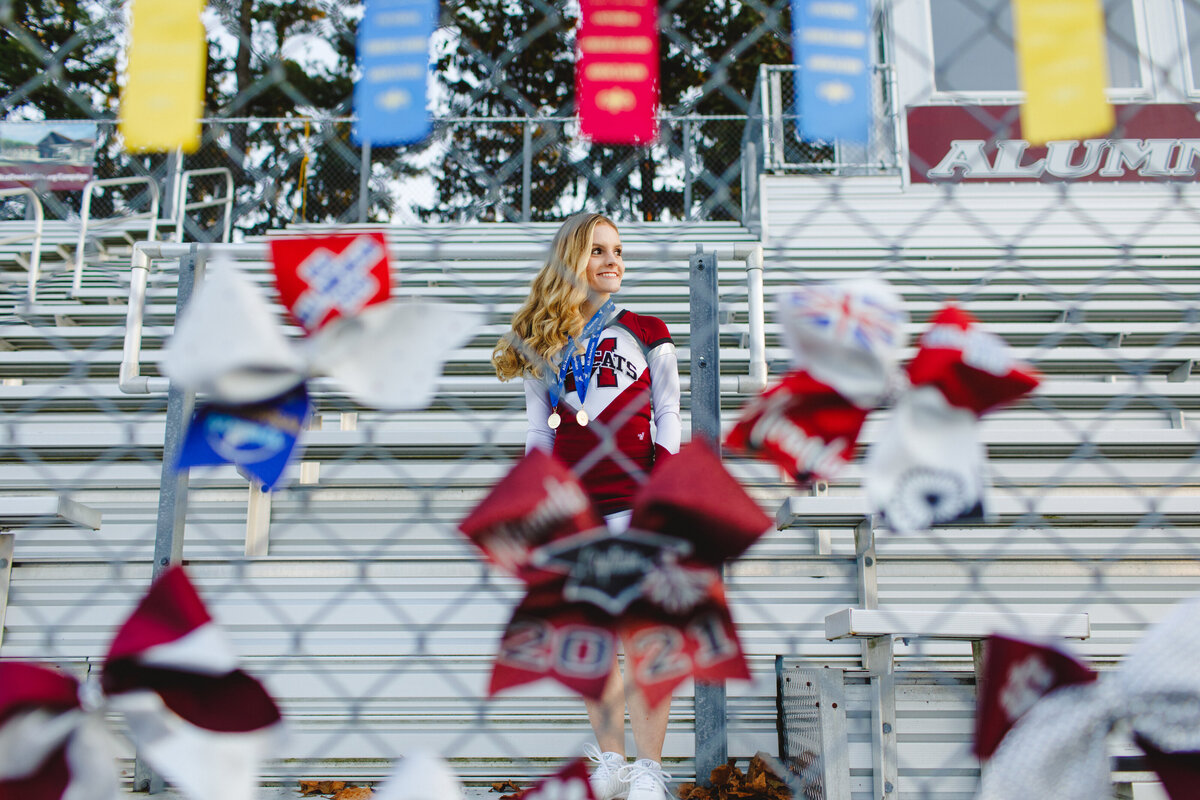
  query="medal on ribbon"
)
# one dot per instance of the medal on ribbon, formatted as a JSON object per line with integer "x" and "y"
{"x": 579, "y": 365}
{"x": 656, "y": 584}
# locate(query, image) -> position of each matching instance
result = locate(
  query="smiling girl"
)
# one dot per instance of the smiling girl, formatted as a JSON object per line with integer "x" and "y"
{"x": 595, "y": 375}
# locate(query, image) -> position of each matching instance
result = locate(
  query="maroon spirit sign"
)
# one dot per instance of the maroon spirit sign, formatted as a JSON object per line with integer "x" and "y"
{"x": 983, "y": 143}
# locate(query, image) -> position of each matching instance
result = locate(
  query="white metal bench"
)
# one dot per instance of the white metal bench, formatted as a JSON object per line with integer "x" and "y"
{"x": 35, "y": 512}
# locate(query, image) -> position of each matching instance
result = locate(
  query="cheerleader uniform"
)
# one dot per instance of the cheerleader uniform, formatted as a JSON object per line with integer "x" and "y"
{"x": 634, "y": 379}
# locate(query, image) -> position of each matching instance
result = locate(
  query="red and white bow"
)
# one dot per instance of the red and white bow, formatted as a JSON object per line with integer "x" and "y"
{"x": 196, "y": 719}
{"x": 1044, "y": 718}
{"x": 656, "y": 584}
{"x": 845, "y": 341}
{"x": 928, "y": 465}
{"x": 229, "y": 345}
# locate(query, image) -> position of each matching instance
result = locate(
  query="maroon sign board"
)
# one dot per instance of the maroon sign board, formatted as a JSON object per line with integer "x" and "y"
{"x": 53, "y": 156}
{"x": 971, "y": 144}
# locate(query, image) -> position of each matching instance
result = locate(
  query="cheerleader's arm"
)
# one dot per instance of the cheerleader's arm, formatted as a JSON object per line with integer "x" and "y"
{"x": 664, "y": 399}
{"x": 537, "y": 409}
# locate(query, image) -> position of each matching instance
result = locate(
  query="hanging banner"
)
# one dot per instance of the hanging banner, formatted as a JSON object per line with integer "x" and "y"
{"x": 616, "y": 71}
{"x": 393, "y": 54}
{"x": 163, "y": 98}
{"x": 1063, "y": 68}
{"x": 831, "y": 42}
{"x": 54, "y": 156}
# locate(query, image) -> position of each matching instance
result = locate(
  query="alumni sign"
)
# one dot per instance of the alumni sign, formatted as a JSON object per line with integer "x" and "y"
{"x": 983, "y": 143}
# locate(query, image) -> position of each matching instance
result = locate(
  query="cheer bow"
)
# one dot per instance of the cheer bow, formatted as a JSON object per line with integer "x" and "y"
{"x": 845, "y": 340}
{"x": 229, "y": 346}
{"x": 1044, "y": 717}
{"x": 655, "y": 584}
{"x": 928, "y": 465}
{"x": 193, "y": 716}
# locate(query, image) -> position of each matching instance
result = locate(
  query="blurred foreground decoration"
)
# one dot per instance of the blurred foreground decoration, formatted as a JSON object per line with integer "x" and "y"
{"x": 656, "y": 584}
{"x": 229, "y": 346}
{"x": 928, "y": 465}
{"x": 193, "y": 715}
{"x": 1045, "y": 718}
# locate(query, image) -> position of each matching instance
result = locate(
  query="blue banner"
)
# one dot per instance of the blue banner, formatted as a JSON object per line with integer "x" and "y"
{"x": 393, "y": 54}
{"x": 831, "y": 42}
{"x": 259, "y": 439}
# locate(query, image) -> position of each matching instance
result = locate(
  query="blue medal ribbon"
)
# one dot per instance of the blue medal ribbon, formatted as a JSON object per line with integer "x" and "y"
{"x": 581, "y": 365}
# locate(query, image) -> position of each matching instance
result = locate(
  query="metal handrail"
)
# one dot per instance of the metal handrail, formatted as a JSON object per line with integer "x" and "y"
{"x": 182, "y": 207}
{"x": 85, "y": 216}
{"x": 35, "y": 255}
{"x": 131, "y": 381}
{"x": 773, "y": 104}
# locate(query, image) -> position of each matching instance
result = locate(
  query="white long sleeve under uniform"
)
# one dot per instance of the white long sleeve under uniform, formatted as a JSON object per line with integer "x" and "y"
{"x": 634, "y": 375}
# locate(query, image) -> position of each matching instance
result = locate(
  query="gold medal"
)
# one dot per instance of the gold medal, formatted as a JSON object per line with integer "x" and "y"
{"x": 554, "y": 421}
{"x": 582, "y": 418}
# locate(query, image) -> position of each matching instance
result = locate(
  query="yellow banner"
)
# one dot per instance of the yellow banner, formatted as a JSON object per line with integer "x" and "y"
{"x": 1063, "y": 69}
{"x": 163, "y": 97}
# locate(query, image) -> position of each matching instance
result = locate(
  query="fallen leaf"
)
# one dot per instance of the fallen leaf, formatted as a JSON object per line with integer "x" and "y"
{"x": 309, "y": 788}
{"x": 355, "y": 793}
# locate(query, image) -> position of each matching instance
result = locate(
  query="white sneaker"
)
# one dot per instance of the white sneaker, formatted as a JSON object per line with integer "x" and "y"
{"x": 646, "y": 780}
{"x": 606, "y": 779}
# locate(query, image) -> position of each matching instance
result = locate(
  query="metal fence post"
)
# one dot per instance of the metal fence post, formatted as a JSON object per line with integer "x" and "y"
{"x": 712, "y": 747}
{"x": 687, "y": 169}
{"x": 526, "y": 170}
{"x": 364, "y": 182}
{"x": 172, "y": 490}
{"x": 171, "y": 183}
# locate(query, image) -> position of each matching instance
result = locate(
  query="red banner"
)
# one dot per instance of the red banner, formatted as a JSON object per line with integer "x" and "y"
{"x": 984, "y": 143}
{"x": 616, "y": 71}
{"x": 321, "y": 278}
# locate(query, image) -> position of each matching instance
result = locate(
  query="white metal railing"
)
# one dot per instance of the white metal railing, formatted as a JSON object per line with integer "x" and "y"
{"x": 131, "y": 381}
{"x": 783, "y": 151}
{"x": 182, "y": 206}
{"x": 85, "y": 218}
{"x": 39, "y": 221}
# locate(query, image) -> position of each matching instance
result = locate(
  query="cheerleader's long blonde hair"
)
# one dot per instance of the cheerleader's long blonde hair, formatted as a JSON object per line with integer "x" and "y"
{"x": 554, "y": 309}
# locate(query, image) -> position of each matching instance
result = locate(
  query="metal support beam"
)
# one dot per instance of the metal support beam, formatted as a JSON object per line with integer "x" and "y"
{"x": 687, "y": 169}
{"x": 712, "y": 747}
{"x": 172, "y": 486}
{"x": 7, "y": 541}
{"x": 877, "y": 656}
{"x": 527, "y": 171}
{"x": 364, "y": 182}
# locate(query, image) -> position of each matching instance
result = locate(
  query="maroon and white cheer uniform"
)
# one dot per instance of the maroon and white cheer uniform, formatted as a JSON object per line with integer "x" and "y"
{"x": 635, "y": 377}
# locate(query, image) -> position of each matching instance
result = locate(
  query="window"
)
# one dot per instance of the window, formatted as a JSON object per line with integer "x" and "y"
{"x": 1191, "y": 29}
{"x": 973, "y": 45}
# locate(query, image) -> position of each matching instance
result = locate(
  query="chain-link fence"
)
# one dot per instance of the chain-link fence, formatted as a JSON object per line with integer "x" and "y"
{"x": 352, "y": 594}
{"x": 302, "y": 171}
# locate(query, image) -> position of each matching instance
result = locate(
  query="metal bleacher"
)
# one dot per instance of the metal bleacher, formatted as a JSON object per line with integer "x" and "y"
{"x": 1095, "y": 498}
{"x": 374, "y": 623}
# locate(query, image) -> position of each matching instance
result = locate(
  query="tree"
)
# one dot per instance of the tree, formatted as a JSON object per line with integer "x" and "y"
{"x": 509, "y": 59}
{"x": 57, "y": 59}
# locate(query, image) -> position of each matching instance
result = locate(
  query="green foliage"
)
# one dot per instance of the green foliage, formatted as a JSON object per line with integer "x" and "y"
{"x": 58, "y": 58}
{"x": 517, "y": 59}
